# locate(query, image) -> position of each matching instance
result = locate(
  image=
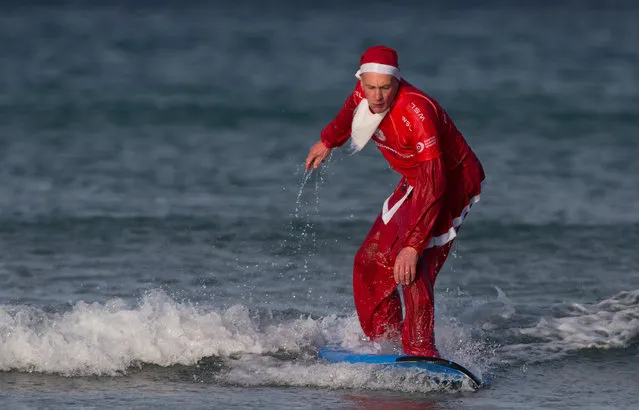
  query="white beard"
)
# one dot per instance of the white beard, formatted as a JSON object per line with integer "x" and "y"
{"x": 364, "y": 125}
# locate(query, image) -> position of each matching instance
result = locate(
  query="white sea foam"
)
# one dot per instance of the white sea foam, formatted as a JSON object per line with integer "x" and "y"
{"x": 259, "y": 371}
{"x": 108, "y": 339}
{"x": 612, "y": 323}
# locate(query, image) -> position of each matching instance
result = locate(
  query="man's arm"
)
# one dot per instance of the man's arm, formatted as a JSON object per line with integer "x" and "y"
{"x": 426, "y": 203}
{"x": 316, "y": 155}
{"x": 336, "y": 133}
{"x": 427, "y": 196}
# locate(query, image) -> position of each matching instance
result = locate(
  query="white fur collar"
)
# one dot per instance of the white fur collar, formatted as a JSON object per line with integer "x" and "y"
{"x": 364, "y": 125}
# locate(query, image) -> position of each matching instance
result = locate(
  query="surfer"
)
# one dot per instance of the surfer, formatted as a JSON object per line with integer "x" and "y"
{"x": 412, "y": 236}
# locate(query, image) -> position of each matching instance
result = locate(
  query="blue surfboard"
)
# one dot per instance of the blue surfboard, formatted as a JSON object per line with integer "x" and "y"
{"x": 435, "y": 366}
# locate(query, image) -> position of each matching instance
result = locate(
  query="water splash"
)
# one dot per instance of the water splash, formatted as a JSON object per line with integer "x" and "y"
{"x": 113, "y": 338}
{"x": 301, "y": 229}
{"x": 107, "y": 339}
{"x": 252, "y": 372}
{"x": 610, "y": 324}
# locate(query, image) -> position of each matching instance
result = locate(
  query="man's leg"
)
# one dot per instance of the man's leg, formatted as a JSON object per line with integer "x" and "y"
{"x": 376, "y": 298}
{"x": 418, "y": 336}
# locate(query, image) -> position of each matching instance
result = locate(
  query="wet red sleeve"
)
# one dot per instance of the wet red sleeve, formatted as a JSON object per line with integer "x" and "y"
{"x": 427, "y": 198}
{"x": 338, "y": 131}
{"x": 430, "y": 183}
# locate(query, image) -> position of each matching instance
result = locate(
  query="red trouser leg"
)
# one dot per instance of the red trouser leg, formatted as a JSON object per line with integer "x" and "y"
{"x": 377, "y": 301}
{"x": 376, "y": 298}
{"x": 418, "y": 336}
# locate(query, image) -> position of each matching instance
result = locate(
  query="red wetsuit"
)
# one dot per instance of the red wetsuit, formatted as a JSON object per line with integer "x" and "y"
{"x": 441, "y": 180}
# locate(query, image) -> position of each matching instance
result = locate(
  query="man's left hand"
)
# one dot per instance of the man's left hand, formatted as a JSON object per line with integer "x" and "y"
{"x": 406, "y": 266}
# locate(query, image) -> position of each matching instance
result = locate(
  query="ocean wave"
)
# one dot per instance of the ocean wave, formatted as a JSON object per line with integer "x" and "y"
{"x": 113, "y": 339}
{"x": 610, "y": 324}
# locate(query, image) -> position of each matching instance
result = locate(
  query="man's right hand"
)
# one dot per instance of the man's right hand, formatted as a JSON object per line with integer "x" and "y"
{"x": 316, "y": 155}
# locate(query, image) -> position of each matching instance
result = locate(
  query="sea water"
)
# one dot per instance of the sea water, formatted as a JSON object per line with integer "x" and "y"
{"x": 161, "y": 245}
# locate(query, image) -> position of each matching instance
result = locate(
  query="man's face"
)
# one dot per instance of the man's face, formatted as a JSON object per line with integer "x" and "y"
{"x": 380, "y": 90}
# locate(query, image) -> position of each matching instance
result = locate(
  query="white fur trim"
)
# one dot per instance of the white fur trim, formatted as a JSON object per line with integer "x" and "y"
{"x": 387, "y": 214}
{"x": 364, "y": 125}
{"x": 377, "y": 68}
{"x": 442, "y": 239}
{"x": 452, "y": 232}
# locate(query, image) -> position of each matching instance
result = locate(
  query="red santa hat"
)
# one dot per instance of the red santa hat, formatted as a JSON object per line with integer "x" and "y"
{"x": 379, "y": 59}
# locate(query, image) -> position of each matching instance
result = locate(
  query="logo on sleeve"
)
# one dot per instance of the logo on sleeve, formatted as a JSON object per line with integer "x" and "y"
{"x": 428, "y": 148}
{"x": 407, "y": 123}
{"x": 417, "y": 111}
{"x": 432, "y": 141}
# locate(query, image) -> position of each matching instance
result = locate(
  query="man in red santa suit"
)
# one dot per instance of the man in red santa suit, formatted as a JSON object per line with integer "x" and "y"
{"x": 412, "y": 236}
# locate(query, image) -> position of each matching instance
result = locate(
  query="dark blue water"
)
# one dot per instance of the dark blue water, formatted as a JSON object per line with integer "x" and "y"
{"x": 162, "y": 246}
